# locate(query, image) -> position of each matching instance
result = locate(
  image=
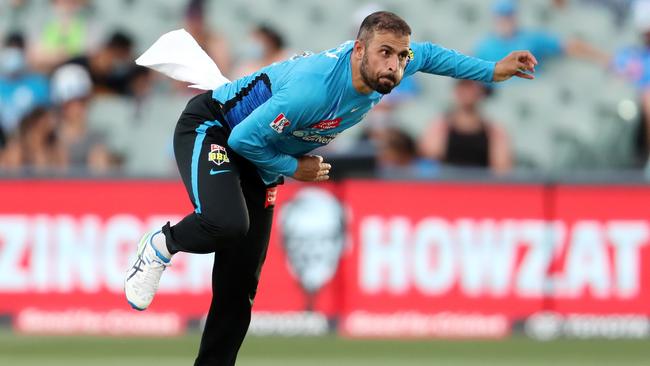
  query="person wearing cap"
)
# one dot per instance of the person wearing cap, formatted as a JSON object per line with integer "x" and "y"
{"x": 509, "y": 36}
{"x": 633, "y": 63}
{"x": 83, "y": 148}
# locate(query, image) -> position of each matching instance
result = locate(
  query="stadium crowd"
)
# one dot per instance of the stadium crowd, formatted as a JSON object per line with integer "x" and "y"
{"x": 72, "y": 100}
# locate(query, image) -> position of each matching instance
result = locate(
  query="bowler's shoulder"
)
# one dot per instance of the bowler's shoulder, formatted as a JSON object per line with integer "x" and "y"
{"x": 305, "y": 88}
{"x": 324, "y": 62}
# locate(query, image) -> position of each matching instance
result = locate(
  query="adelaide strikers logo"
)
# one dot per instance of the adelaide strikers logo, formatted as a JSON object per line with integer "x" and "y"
{"x": 218, "y": 154}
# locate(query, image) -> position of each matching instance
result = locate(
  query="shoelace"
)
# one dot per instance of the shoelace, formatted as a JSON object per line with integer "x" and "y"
{"x": 151, "y": 274}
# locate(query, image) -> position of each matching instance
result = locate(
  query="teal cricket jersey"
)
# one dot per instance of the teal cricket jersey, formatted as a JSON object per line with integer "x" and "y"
{"x": 290, "y": 108}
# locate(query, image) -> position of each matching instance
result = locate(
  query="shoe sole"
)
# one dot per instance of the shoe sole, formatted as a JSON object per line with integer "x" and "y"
{"x": 141, "y": 247}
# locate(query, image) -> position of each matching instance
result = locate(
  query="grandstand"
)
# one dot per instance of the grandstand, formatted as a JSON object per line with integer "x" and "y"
{"x": 581, "y": 116}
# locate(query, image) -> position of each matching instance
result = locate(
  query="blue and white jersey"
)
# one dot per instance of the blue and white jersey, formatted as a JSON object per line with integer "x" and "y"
{"x": 290, "y": 108}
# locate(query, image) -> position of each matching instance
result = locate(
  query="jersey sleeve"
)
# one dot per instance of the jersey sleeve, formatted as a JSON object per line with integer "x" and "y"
{"x": 434, "y": 59}
{"x": 256, "y": 136}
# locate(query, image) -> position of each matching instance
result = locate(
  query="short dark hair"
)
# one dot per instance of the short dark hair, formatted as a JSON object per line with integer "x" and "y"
{"x": 15, "y": 39}
{"x": 382, "y": 21}
{"x": 120, "y": 40}
{"x": 30, "y": 120}
{"x": 272, "y": 35}
{"x": 400, "y": 142}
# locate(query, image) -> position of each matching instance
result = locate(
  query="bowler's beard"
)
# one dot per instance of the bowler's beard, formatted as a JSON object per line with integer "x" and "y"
{"x": 373, "y": 82}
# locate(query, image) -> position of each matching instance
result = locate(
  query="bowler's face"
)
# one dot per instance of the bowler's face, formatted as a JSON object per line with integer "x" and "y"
{"x": 384, "y": 60}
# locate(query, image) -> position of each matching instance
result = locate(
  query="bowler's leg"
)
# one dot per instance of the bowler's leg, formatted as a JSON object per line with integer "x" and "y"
{"x": 235, "y": 277}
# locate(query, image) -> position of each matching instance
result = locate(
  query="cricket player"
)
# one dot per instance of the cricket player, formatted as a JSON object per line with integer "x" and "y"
{"x": 234, "y": 144}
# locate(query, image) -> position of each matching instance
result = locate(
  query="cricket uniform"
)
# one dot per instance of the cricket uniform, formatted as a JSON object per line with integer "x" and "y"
{"x": 233, "y": 145}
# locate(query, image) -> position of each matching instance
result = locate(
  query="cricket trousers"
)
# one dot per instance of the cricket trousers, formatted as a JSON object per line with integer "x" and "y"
{"x": 232, "y": 218}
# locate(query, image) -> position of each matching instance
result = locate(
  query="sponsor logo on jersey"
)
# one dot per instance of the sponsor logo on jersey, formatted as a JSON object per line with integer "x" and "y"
{"x": 301, "y": 55}
{"x": 311, "y": 137}
{"x": 279, "y": 123}
{"x": 218, "y": 154}
{"x": 327, "y": 124}
{"x": 271, "y": 195}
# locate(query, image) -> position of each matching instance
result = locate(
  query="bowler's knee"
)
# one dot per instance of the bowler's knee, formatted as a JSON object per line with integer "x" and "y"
{"x": 227, "y": 226}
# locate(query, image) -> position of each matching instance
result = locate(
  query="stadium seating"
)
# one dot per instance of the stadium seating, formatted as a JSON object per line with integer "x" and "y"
{"x": 573, "y": 108}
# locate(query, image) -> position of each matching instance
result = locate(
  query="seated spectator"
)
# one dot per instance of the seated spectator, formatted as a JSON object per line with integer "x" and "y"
{"x": 508, "y": 36}
{"x": 265, "y": 46}
{"x": 68, "y": 32}
{"x": 618, "y": 8}
{"x": 397, "y": 156}
{"x": 464, "y": 138}
{"x": 111, "y": 66}
{"x": 21, "y": 90}
{"x": 633, "y": 63}
{"x": 85, "y": 149}
{"x": 34, "y": 147}
{"x": 140, "y": 89}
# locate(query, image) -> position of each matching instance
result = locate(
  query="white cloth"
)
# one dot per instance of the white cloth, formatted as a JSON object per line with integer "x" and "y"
{"x": 177, "y": 55}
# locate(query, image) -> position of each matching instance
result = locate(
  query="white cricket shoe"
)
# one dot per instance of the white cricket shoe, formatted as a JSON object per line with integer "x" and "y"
{"x": 142, "y": 279}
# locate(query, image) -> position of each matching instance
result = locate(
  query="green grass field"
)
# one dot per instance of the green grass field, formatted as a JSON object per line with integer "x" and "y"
{"x": 321, "y": 351}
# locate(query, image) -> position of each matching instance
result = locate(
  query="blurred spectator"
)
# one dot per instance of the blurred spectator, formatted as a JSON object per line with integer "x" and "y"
{"x": 71, "y": 89}
{"x": 397, "y": 156}
{"x": 140, "y": 88}
{"x": 463, "y": 137}
{"x": 265, "y": 46}
{"x": 508, "y": 36}
{"x": 366, "y": 137}
{"x": 111, "y": 66}
{"x": 20, "y": 89}
{"x": 618, "y": 8}
{"x": 13, "y": 15}
{"x": 633, "y": 62}
{"x": 34, "y": 146}
{"x": 214, "y": 45}
{"x": 67, "y": 33}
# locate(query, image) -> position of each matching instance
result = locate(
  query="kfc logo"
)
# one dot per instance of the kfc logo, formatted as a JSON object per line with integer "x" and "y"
{"x": 279, "y": 123}
{"x": 313, "y": 228}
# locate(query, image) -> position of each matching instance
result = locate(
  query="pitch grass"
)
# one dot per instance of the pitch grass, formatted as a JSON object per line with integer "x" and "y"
{"x": 320, "y": 351}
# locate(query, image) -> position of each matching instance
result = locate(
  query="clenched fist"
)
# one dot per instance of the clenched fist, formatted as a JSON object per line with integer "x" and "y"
{"x": 312, "y": 169}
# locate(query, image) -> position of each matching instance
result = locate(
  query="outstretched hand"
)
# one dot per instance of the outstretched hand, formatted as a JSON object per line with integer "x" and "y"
{"x": 518, "y": 63}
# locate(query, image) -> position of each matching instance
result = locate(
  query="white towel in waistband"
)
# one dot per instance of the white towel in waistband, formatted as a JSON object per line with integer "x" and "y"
{"x": 177, "y": 55}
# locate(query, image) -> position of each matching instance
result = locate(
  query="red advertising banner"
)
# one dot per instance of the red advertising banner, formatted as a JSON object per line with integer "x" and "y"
{"x": 384, "y": 258}
{"x": 469, "y": 260}
{"x": 65, "y": 247}
{"x": 601, "y": 251}
{"x": 446, "y": 255}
